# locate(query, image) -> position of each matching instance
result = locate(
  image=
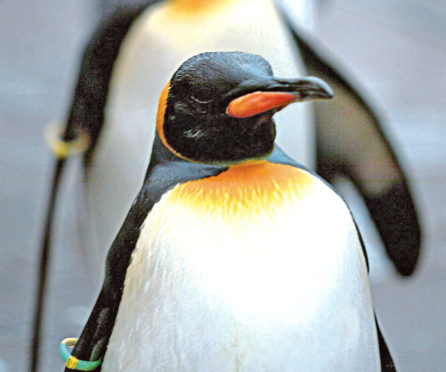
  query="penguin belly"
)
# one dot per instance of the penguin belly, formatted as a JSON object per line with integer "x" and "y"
{"x": 159, "y": 41}
{"x": 244, "y": 272}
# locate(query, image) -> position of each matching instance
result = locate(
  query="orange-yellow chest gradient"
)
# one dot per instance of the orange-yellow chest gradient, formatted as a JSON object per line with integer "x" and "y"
{"x": 245, "y": 191}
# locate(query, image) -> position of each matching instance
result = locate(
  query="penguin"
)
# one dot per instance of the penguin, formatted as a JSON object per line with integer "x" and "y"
{"x": 134, "y": 51}
{"x": 233, "y": 256}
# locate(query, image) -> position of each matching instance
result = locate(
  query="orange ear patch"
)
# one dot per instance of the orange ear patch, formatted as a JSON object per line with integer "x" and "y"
{"x": 246, "y": 190}
{"x": 162, "y": 104}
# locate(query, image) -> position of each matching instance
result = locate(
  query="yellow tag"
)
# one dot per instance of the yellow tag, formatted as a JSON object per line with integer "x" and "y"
{"x": 72, "y": 362}
{"x": 62, "y": 149}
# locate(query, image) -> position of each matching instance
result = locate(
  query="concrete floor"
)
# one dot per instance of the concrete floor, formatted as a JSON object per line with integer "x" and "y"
{"x": 396, "y": 50}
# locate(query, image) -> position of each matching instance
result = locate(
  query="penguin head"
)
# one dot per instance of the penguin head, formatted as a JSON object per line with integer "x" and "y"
{"x": 218, "y": 107}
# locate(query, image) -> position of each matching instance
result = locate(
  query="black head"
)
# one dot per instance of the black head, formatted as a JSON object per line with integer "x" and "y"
{"x": 218, "y": 107}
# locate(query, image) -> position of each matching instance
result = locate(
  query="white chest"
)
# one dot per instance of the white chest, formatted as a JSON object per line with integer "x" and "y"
{"x": 231, "y": 287}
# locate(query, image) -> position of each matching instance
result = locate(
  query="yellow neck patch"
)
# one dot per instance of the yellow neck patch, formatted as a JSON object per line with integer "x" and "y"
{"x": 246, "y": 190}
{"x": 189, "y": 7}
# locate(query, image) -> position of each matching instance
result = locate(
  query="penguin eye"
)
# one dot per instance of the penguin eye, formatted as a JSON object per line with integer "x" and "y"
{"x": 202, "y": 105}
{"x": 200, "y": 101}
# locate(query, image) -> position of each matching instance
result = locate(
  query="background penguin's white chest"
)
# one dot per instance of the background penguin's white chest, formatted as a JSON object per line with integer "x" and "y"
{"x": 224, "y": 289}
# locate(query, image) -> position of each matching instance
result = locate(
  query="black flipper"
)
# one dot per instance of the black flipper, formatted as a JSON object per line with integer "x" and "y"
{"x": 165, "y": 171}
{"x": 94, "y": 338}
{"x": 351, "y": 143}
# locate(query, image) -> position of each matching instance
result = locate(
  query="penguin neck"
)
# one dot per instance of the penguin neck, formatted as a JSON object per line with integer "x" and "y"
{"x": 247, "y": 164}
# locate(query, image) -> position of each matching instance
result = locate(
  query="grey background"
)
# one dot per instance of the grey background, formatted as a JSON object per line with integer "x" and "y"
{"x": 395, "y": 48}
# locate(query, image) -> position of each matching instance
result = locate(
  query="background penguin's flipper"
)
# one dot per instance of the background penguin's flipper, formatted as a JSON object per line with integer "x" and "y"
{"x": 90, "y": 96}
{"x": 351, "y": 143}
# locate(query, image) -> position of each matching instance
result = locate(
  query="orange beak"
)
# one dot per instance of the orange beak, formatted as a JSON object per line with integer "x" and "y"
{"x": 258, "y": 102}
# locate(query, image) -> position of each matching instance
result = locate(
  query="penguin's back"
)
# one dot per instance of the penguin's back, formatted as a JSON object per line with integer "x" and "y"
{"x": 257, "y": 268}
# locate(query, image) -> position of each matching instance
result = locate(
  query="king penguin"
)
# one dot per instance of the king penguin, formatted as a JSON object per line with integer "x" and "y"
{"x": 233, "y": 257}
{"x": 135, "y": 50}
